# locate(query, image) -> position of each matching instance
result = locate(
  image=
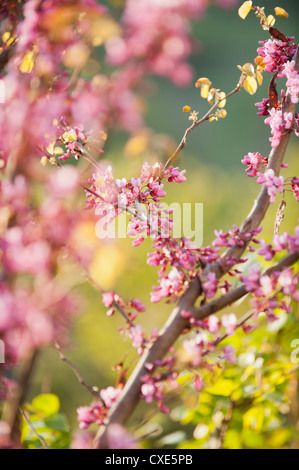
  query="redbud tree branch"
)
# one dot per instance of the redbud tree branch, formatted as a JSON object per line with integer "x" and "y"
{"x": 196, "y": 123}
{"x": 93, "y": 390}
{"x": 175, "y": 324}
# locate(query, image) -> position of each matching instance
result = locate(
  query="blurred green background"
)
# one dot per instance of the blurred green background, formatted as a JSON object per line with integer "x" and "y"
{"x": 215, "y": 177}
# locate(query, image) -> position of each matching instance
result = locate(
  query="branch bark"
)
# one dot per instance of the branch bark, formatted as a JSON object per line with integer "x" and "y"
{"x": 175, "y": 324}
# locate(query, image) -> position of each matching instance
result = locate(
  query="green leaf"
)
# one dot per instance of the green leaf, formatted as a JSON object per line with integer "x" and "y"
{"x": 232, "y": 440}
{"x": 252, "y": 439}
{"x": 57, "y": 422}
{"x": 47, "y": 404}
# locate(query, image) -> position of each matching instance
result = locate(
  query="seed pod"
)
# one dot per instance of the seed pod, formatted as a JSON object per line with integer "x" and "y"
{"x": 275, "y": 33}
{"x": 272, "y": 93}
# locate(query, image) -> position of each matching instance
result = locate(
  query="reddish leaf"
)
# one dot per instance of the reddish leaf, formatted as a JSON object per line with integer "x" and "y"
{"x": 275, "y": 33}
{"x": 272, "y": 93}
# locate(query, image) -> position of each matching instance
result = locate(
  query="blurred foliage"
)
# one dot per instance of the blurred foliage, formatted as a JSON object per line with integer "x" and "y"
{"x": 45, "y": 426}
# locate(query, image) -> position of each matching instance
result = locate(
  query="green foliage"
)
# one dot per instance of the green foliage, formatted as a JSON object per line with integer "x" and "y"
{"x": 52, "y": 426}
{"x": 248, "y": 404}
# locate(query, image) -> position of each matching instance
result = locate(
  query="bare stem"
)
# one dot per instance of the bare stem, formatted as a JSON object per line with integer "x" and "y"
{"x": 40, "y": 438}
{"x": 93, "y": 390}
{"x": 195, "y": 124}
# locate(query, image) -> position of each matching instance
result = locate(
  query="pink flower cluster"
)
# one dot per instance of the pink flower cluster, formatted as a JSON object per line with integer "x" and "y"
{"x": 139, "y": 196}
{"x": 276, "y": 53}
{"x": 72, "y": 138}
{"x": 292, "y": 80}
{"x": 155, "y": 384}
{"x": 263, "y": 107}
{"x": 255, "y": 162}
{"x": 235, "y": 237}
{"x": 273, "y": 183}
{"x": 97, "y": 412}
{"x": 34, "y": 307}
{"x": 295, "y": 187}
{"x": 279, "y": 123}
{"x": 112, "y": 301}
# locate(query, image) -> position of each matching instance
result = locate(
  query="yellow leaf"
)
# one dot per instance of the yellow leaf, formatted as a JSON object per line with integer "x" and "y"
{"x": 203, "y": 81}
{"x": 222, "y": 96}
{"x": 222, "y": 113}
{"x": 76, "y": 55}
{"x": 101, "y": 29}
{"x": 50, "y": 148}
{"x": 223, "y": 387}
{"x": 7, "y": 38}
{"x": 210, "y": 96}
{"x": 247, "y": 68}
{"x": 137, "y": 144}
{"x": 254, "y": 419}
{"x": 107, "y": 264}
{"x": 270, "y": 20}
{"x": 259, "y": 77}
{"x": 69, "y": 136}
{"x": 278, "y": 438}
{"x": 250, "y": 85}
{"x": 259, "y": 61}
{"x": 245, "y": 9}
{"x": 280, "y": 12}
{"x": 204, "y": 92}
{"x": 58, "y": 151}
{"x": 28, "y": 61}
{"x": 84, "y": 236}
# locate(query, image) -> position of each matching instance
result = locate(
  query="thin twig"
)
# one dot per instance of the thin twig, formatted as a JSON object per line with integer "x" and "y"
{"x": 195, "y": 124}
{"x": 40, "y": 438}
{"x": 93, "y": 390}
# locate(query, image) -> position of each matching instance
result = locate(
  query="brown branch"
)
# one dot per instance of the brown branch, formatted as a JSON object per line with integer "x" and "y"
{"x": 168, "y": 335}
{"x": 93, "y": 390}
{"x": 175, "y": 324}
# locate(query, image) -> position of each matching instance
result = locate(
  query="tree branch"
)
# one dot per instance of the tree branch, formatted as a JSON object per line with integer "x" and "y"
{"x": 168, "y": 335}
{"x": 93, "y": 390}
{"x": 175, "y": 324}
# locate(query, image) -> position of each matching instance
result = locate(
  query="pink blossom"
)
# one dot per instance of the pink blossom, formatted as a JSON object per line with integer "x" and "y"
{"x": 229, "y": 321}
{"x": 138, "y": 305}
{"x": 292, "y": 80}
{"x": 136, "y": 335}
{"x": 276, "y": 53}
{"x": 295, "y": 187}
{"x": 251, "y": 281}
{"x": 230, "y": 354}
{"x": 108, "y": 299}
{"x": 266, "y": 250}
{"x": 148, "y": 391}
{"x": 273, "y": 183}
{"x": 109, "y": 395}
{"x": 268, "y": 284}
{"x": 254, "y": 161}
{"x": 213, "y": 324}
{"x": 198, "y": 383}
{"x": 119, "y": 438}
{"x": 210, "y": 286}
{"x": 263, "y": 107}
